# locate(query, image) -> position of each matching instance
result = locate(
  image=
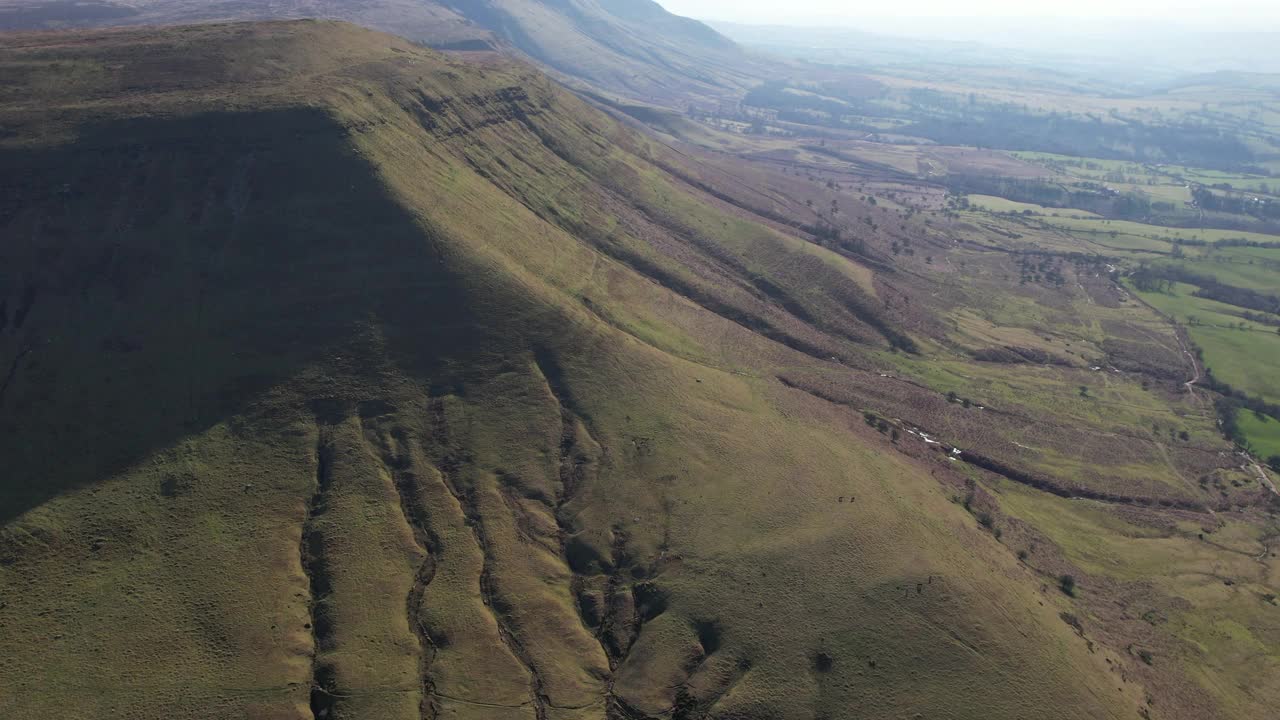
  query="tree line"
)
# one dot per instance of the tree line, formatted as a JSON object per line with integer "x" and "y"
{"x": 1160, "y": 278}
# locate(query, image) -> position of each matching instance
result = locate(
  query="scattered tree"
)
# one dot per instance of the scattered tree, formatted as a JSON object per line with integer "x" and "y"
{"x": 1074, "y": 621}
{"x": 1068, "y": 584}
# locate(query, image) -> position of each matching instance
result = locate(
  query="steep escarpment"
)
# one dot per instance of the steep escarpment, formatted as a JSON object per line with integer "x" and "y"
{"x": 632, "y": 49}
{"x": 357, "y": 382}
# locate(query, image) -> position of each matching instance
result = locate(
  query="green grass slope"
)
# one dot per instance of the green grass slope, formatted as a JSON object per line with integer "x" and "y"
{"x": 343, "y": 380}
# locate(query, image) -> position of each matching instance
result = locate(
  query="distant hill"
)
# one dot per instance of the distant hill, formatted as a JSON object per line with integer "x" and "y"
{"x": 632, "y": 49}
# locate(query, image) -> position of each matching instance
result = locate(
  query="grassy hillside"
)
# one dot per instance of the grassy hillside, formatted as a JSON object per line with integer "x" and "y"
{"x": 350, "y": 381}
{"x": 1050, "y": 386}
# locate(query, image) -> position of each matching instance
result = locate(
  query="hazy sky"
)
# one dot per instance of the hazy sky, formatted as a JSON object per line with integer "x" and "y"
{"x": 1201, "y": 14}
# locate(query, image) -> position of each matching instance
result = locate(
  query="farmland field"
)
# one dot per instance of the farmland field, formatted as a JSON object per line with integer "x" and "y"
{"x": 1263, "y": 433}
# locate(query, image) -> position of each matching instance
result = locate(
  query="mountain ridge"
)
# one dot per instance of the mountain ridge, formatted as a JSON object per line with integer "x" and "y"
{"x": 633, "y": 50}
{"x": 475, "y": 402}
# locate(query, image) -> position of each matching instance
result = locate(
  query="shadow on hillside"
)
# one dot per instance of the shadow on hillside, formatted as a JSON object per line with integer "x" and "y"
{"x": 158, "y": 276}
